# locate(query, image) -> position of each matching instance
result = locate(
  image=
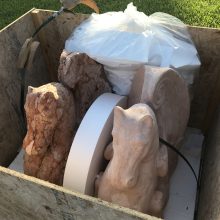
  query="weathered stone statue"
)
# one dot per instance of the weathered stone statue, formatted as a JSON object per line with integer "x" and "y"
{"x": 167, "y": 94}
{"x": 85, "y": 77}
{"x": 50, "y": 112}
{"x": 136, "y": 162}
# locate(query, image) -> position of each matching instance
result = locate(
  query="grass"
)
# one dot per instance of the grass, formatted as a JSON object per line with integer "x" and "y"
{"x": 193, "y": 12}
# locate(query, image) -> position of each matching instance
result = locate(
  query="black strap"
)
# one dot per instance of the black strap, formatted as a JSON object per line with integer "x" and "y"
{"x": 22, "y": 77}
{"x": 181, "y": 155}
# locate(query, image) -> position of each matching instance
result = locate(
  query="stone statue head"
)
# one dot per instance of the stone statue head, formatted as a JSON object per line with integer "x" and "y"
{"x": 133, "y": 145}
{"x": 42, "y": 113}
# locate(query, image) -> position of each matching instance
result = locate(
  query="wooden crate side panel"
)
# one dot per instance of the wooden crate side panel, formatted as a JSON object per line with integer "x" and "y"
{"x": 12, "y": 125}
{"x": 54, "y": 35}
{"x": 24, "y": 197}
{"x": 207, "y": 85}
{"x": 11, "y": 121}
{"x": 209, "y": 197}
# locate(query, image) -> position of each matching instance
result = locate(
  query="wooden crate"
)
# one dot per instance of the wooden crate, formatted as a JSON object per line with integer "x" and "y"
{"x": 24, "y": 197}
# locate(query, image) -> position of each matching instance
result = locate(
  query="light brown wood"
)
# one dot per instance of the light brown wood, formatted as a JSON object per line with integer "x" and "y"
{"x": 209, "y": 199}
{"x": 54, "y": 35}
{"x": 12, "y": 124}
{"x": 207, "y": 84}
{"x": 25, "y": 198}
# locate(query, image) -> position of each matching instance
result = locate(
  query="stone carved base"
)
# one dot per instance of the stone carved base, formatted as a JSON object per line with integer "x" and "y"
{"x": 50, "y": 112}
{"x": 85, "y": 77}
{"x": 136, "y": 162}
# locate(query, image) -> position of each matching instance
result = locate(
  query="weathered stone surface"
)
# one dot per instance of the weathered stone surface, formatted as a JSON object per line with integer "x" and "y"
{"x": 209, "y": 193}
{"x": 50, "y": 112}
{"x": 131, "y": 177}
{"x": 167, "y": 94}
{"x": 85, "y": 77}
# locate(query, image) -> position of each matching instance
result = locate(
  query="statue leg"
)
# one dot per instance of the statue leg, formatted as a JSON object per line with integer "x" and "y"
{"x": 97, "y": 183}
{"x": 108, "y": 154}
{"x": 161, "y": 194}
{"x": 162, "y": 161}
{"x": 157, "y": 204}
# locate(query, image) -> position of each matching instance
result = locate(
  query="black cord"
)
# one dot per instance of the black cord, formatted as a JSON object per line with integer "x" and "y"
{"x": 51, "y": 18}
{"x": 181, "y": 155}
{"x": 43, "y": 24}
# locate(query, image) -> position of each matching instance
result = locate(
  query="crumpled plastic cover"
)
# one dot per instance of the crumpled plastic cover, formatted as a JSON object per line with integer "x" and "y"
{"x": 122, "y": 41}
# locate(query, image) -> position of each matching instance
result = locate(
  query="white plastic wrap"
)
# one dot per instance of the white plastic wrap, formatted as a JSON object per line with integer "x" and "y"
{"x": 122, "y": 41}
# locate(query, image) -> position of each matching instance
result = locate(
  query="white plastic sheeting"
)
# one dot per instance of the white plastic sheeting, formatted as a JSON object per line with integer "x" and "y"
{"x": 122, "y": 41}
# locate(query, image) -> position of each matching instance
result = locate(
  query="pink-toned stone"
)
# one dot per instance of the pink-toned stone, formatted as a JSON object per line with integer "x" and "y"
{"x": 85, "y": 77}
{"x": 50, "y": 113}
{"x": 137, "y": 162}
{"x": 167, "y": 94}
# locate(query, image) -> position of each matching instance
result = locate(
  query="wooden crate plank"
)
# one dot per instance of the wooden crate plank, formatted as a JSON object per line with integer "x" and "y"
{"x": 209, "y": 196}
{"x": 24, "y": 197}
{"x": 207, "y": 85}
{"x": 12, "y": 125}
{"x": 54, "y": 35}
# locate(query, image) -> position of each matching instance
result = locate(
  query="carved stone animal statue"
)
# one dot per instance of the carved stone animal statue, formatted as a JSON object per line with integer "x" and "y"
{"x": 137, "y": 162}
{"x": 50, "y": 112}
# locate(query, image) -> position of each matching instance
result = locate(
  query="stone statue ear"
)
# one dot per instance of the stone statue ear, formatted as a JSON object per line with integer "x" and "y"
{"x": 119, "y": 114}
{"x": 30, "y": 89}
{"x": 48, "y": 95}
{"x": 147, "y": 121}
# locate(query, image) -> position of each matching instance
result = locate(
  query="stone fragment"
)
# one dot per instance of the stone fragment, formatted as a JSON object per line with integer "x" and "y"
{"x": 136, "y": 164}
{"x": 85, "y": 77}
{"x": 50, "y": 112}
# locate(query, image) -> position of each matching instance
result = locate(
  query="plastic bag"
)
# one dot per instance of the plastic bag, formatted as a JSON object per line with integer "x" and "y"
{"x": 122, "y": 41}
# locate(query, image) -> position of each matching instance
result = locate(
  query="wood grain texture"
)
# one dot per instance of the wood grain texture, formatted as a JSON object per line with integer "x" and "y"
{"x": 207, "y": 84}
{"x": 12, "y": 125}
{"x": 54, "y": 35}
{"x": 209, "y": 199}
{"x": 25, "y": 198}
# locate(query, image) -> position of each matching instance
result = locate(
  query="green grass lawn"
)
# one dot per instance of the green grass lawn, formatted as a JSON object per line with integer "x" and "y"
{"x": 193, "y": 12}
